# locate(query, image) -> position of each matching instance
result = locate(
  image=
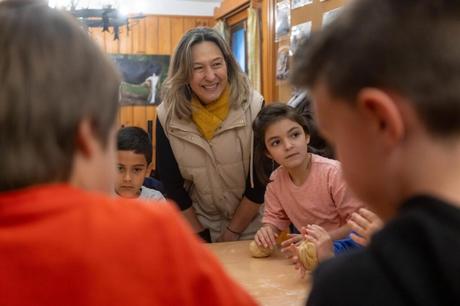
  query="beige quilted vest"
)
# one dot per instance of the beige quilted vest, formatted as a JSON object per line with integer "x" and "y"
{"x": 215, "y": 172}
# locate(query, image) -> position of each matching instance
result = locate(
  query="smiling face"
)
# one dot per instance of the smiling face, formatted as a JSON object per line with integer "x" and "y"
{"x": 286, "y": 143}
{"x": 132, "y": 169}
{"x": 209, "y": 72}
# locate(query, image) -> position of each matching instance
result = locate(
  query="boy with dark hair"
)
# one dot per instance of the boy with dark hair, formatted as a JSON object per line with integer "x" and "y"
{"x": 134, "y": 155}
{"x": 385, "y": 80}
{"x": 62, "y": 240}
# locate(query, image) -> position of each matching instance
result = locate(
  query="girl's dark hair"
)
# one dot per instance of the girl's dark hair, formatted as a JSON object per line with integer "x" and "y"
{"x": 318, "y": 144}
{"x": 267, "y": 116}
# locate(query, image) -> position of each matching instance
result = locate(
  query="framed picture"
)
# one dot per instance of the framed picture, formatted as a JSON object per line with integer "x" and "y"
{"x": 282, "y": 63}
{"x": 329, "y": 16}
{"x": 299, "y": 3}
{"x": 282, "y": 19}
{"x": 142, "y": 77}
{"x": 299, "y": 33}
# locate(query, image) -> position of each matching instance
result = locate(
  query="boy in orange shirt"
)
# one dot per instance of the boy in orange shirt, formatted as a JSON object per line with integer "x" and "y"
{"x": 63, "y": 240}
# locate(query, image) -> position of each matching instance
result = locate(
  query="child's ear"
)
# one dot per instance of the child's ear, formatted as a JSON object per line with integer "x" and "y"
{"x": 383, "y": 114}
{"x": 85, "y": 138}
{"x": 307, "y": 138}
{"x": 149, "y": 169}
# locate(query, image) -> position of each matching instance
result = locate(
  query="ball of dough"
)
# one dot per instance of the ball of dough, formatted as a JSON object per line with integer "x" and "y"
{"x": 307, "y": 255}
{"x": 257, "y": 251}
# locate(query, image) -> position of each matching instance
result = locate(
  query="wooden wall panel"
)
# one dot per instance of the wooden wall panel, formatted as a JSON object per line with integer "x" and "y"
{"x": 125, "y": 41}
{"x": 111, "y": 45}
{"x": 268, "y": 50}
{"x": 205, "y": 22}
{"x": 140, "y": 116}
{"x": 138, "y": 36}
{"x": 164, "y": 35}
{"x": 237, "y": 18}
{"x": 177, "y": 30}
{"x": 227, "y": 7}
{"x": 126, "y": 116}
{"x": 135, "y": 33}
{"x": 151, "y": 35}
{"x": 189, "y": 23}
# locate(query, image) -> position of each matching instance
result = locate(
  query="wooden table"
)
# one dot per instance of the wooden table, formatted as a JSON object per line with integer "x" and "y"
{"x": 271, "y": 280}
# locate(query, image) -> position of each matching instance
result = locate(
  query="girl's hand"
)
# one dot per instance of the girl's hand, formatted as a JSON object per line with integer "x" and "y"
{"x": 364, "y": 223}
{"x": 266, "y": 237}
{"x": 295, "y": 240}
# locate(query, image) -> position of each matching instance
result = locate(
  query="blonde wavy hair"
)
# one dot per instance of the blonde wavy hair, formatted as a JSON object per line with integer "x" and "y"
{"x": 176, "y": 92}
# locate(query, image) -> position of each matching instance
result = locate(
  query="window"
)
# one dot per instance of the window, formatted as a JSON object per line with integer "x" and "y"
{"x": 238, "y": 44}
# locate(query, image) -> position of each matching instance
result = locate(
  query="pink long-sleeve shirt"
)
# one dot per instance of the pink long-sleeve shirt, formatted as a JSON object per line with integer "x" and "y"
{"x": 323, "y": 198}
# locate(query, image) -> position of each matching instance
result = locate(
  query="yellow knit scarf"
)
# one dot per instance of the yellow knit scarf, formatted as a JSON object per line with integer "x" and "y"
{"x": 208, "y": 118}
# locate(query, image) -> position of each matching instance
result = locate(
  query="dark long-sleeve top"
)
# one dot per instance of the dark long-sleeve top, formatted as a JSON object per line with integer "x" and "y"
{"x": 173, "y": 182}
{"x": 413, "y": 260}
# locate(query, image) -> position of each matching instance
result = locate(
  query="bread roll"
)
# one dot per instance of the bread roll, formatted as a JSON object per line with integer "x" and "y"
{"x": 307, "y": 255}
{"x": 258, "y": 251}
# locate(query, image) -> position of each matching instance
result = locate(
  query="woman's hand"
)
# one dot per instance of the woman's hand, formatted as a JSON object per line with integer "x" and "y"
{"x": 266, "y": 237}
{"x": 244, "y": 214}
{"x": 227, "y": 235}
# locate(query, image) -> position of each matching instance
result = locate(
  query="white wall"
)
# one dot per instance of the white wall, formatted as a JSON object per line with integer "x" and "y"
{"x": 157, "y": 7}
{"x": 169, "y": 7}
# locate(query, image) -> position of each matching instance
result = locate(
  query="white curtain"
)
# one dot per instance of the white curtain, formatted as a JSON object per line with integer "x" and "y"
{"x": 222, "y": 28}
{"x": 253, "y": 40}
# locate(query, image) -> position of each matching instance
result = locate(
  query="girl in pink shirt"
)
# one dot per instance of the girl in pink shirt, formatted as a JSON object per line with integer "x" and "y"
{"x": 306, "y": 189}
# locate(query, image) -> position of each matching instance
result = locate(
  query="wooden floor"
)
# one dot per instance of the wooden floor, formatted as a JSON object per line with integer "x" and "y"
{"x": 271, "y": 281}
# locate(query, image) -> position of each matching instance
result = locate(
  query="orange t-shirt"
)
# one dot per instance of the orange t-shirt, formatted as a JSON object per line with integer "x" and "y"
{"x": 63, "y": 246}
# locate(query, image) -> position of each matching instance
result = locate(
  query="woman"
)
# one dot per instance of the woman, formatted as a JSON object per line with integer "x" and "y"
{"x": 204, "y": 139}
